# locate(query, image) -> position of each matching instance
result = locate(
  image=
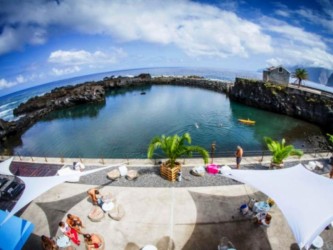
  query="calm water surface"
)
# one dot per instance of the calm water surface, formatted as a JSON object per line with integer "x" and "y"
{"x": 124, "y": 125}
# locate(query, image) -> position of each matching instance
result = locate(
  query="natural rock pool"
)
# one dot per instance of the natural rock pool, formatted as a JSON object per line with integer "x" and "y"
{"x": 124, "y": 125}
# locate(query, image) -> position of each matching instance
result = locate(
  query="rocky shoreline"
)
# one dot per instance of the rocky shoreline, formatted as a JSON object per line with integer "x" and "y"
{"x": 277, "y": 98}
{"x": 36, "y": 108}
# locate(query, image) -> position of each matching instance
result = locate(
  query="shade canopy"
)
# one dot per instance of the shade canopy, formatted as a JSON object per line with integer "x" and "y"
{"x": 303, "y": 197}
{"x": 15, "y": 232}
{"x": 35, "y": 186}
{"x": 4, "y": 167}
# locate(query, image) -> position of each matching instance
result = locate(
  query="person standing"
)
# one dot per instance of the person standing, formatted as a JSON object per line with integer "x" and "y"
{"x": 239, "y": 155}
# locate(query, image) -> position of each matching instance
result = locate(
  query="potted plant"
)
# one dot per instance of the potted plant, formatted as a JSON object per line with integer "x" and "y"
{"x": 174, "y": 147}
{"x": 280, "y": 151}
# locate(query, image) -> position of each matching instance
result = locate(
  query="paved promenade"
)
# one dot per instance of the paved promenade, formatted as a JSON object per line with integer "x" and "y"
{"x": 192, "y": 214}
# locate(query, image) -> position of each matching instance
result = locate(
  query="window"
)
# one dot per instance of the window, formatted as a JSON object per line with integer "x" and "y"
{"x": 280, "y": 70}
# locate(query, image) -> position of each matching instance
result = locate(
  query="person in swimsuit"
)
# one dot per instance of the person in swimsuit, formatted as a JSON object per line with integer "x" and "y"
{"x": 92, "y": 241}
{"x": 239, "y": 155}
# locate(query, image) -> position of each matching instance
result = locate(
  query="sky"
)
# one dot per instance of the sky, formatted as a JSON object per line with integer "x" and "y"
{"x": 48, "y": 40}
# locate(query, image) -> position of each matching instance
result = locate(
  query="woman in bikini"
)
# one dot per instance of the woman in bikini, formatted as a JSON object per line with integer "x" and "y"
{"x": 92, "y": 241}
{"x": 70, "y": 232}
{"x": 74, "y": 222}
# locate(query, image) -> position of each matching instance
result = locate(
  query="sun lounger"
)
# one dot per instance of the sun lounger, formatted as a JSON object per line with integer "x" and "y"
{"x": 319, "y": 165}
{"x": 96, "y": 214}
{"x": 132, "y": 175}
{"x": 117, "y": 213}
{"x": 67, "y": 170}
{"x": 114, "y": 174}
{"x": 198, "y": 171}
{"x": 311, "y": 165}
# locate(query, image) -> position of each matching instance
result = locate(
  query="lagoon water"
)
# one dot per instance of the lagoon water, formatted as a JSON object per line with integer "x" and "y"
{"x": 123, "y": 126}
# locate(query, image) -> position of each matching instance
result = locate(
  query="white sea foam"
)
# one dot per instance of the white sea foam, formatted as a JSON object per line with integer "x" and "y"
{"x": 5, "y": 112}
{"x": 6, "y": 105}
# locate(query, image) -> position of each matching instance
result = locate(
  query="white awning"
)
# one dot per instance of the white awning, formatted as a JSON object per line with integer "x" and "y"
{"x": 303, "y": 197}
{"x": 35, "y": 186}
{"x": 4, "y": 166}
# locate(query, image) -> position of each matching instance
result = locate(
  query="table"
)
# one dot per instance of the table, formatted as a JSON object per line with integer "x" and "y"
{"x": 63, "y": 241}
{"x": 107, "y": 206}
{"x": 318, "y": 242}
{"x": 261, "y": 206}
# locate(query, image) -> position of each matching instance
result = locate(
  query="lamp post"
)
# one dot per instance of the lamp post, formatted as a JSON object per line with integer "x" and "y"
{"x": 213, "y": 147}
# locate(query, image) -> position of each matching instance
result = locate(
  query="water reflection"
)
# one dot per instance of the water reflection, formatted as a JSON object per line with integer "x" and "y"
{"x": 84, "y": 110}
{"x": 123, "y": 126}
{"x": 276, "y": 126}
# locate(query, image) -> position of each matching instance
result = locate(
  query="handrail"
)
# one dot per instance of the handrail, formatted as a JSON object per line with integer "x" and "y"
{"x": 158, "y": 156}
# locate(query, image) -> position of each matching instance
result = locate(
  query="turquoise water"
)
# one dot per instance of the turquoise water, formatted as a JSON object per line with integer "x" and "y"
{"x": 124, "y": 125}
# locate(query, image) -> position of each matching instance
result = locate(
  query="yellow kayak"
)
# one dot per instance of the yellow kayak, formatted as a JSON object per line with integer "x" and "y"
{"x": 248, "y": 121}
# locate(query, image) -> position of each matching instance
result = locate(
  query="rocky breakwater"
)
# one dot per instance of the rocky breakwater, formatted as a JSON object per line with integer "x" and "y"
{"x": 37, "y": 107}
{"x": 303, "y": 103}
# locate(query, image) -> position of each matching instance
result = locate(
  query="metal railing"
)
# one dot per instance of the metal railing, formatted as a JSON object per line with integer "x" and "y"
{"x": 157, "y": 157}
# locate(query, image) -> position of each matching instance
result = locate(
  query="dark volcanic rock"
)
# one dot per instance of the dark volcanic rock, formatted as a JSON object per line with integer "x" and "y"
{"x": 306, "y": 104}
{"x": 62, "y": 98}
{"x": 91, "y": 92}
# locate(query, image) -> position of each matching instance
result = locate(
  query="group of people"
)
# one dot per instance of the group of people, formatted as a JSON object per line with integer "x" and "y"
{"x": 73, "y": 226}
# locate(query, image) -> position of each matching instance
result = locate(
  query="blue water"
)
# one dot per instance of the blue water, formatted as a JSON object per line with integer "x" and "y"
{"x": 124, "y": 125}
{"x": 11, "y": 101}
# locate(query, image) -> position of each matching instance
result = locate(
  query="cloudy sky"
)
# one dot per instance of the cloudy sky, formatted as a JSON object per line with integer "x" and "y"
{"x": 47, "y": 40}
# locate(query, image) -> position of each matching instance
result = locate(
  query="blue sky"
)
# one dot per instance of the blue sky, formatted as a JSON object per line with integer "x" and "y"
{"x": 44, "y": 40}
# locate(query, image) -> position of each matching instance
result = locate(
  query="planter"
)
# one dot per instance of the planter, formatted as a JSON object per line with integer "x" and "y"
{"x": 170, "y": 173}
{"x": 277, "y": 165}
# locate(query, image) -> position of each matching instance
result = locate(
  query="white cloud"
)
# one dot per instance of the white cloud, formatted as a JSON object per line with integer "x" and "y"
{"x": 293, "y": 45}
{"x": 6, "y": 84}
{"x": 282, "y": 13}
{"x": 65, "y": 71}
{"x": 20, "y": 79}
{"x": 13, "y": 39}
{"x": 198, "y": 29}
{"x": 83, "y": 57}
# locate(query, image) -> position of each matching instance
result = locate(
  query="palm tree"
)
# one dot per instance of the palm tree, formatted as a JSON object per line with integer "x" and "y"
{"x": 300, "y": 74}
{"x": 280, "y": 151}
{"x": 175, "y": 147}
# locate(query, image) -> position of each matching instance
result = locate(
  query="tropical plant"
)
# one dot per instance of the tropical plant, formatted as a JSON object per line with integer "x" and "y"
{"x": 175, "y": 147}
{"x": 300, "y": 74}
{"x": 280, "y": 151}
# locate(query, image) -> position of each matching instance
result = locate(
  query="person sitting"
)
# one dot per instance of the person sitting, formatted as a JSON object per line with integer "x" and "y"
{"x": 74, "y": 222}
{"x": 263, "y": 219}
{"x": 95, "y": 196}
{"x": 70, "y": 232}
{"x": 92, "y": 241}
{"x": 48, "y": 243}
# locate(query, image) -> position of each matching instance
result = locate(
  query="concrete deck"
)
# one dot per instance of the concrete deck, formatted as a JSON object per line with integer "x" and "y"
{"x": 170, "y": 218}
{"x": 189, "y": 218}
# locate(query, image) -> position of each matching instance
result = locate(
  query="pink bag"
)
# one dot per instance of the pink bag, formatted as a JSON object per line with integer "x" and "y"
{"x": 212, "y": 169}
